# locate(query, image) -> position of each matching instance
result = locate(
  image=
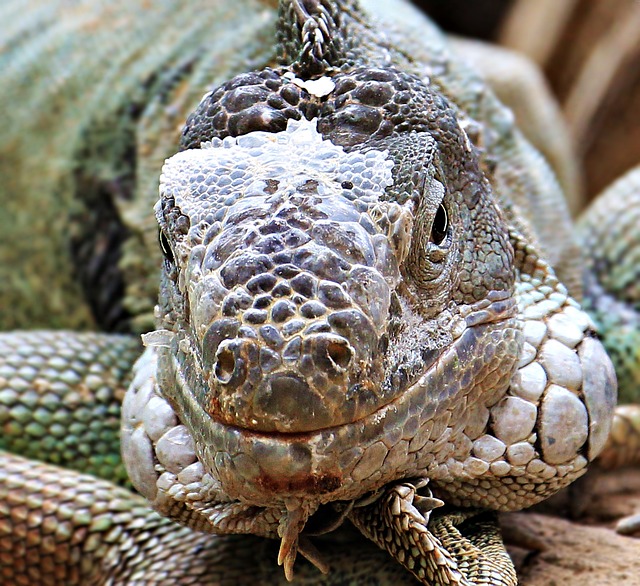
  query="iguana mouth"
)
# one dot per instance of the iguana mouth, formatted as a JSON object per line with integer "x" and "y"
{"x": 341, "y": 461}
{"x": 328, "y": 383}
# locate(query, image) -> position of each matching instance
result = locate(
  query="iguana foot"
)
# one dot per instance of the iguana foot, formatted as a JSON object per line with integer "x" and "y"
{"x": 458, "y": 547}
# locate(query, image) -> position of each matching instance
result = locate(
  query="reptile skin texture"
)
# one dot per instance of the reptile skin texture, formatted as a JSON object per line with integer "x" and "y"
{"x": 371, "y": 332}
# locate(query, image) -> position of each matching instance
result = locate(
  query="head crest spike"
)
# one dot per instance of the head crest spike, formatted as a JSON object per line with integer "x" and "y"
{"x": 311, "y": 38}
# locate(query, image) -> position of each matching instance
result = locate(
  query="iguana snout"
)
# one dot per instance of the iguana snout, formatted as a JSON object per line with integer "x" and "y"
{"x": 282, "y": 259}
{"x": 286, "y": 399}
{"x": 303, "y": 358}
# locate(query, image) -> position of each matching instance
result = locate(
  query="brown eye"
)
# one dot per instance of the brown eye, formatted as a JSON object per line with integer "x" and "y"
{"x": 165, "y": 246}
{"x": 440, "y": 225}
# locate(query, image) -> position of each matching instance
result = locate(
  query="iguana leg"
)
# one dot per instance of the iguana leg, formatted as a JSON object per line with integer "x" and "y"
{"x": 463, "y": 547}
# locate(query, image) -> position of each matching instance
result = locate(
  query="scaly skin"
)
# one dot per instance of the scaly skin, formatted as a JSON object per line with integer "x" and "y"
{"x": 60, "y": 395}
{"x": 467, "y": 439}
{"x": 612, "y": 275}
{"x": 80, "y": 156}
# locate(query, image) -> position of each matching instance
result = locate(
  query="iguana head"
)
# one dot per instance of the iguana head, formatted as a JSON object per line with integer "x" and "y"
{"x": 327, "y": 284}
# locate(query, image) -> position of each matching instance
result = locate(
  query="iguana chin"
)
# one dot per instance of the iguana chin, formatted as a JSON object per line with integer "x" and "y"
{"x": 344, "y": 308}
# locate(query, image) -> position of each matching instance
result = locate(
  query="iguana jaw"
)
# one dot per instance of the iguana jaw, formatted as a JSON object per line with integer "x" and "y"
{"x": 221, "y": 479}
{"x": 406, "y": 436}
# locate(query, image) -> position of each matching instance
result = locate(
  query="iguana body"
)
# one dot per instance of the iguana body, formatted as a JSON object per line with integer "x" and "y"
{"x": 275, "y": 500}
{"x": 118, "y": 101}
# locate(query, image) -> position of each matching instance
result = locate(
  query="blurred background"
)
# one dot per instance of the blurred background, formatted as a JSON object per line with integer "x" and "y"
{"x": 589, "y": 52}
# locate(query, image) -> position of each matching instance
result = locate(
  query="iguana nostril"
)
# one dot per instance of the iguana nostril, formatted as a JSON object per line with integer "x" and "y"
{"x": 331, "y": 354}
{"x": 340, "y": 354}
{"x": 225, "y": 365}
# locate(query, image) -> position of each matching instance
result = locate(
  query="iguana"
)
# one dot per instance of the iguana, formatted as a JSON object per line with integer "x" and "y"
{"x": 353, "y": 312}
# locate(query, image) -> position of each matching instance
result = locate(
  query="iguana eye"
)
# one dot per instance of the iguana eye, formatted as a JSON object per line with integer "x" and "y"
{"x": 440, "y": 226}
{"x": 165, "y": 246}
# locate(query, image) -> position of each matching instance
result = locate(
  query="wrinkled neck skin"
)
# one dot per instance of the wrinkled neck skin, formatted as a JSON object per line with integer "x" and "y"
{"x": 338, "y": 281}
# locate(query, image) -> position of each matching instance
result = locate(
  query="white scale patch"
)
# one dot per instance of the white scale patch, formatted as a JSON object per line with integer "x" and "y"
{"x": 319, "y": 88}
{"x": 241, "y": 166}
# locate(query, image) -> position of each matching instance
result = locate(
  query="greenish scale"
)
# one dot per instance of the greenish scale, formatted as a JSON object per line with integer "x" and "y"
{"x": 623, "y": 345}
{"x": 69, "y": 413}
{"x": 94, "y": 96}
